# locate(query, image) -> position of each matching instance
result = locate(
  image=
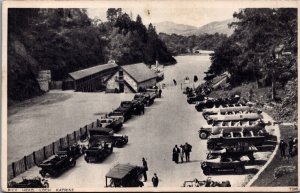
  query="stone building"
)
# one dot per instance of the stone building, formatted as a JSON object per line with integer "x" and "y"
{"x": 130, "y": 78}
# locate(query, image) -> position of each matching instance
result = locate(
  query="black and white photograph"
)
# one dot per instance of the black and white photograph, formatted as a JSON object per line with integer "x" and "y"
{"x": 149, "y": 96}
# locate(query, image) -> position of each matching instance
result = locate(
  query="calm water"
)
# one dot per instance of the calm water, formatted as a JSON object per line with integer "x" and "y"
{"x": 187, "y": 66}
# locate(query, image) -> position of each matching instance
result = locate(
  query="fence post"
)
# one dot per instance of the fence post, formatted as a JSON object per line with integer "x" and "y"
{"x": 13, "y": 169}
{"x": 68, "y": 141}
{"x": 92, "y": 124}
{"x": 86, "y": 128}
{"x": 60, "y": 143}
{"x": 53, "y": 148}
{"x": 25, "y": 163}
{"x": 75, "y": 136}
{"x": 34, "y": 158}
{"x": 44, "y": 150}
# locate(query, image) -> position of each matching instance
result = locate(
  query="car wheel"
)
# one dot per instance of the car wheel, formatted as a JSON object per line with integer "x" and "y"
{"x": 207, "y": 170}
{"x": 46, "y": 185}
{"x": 210, "y": 146}
{"x": 203, "y": 135}
{"x": 73, "y": 163}
{"x": 239, "y": 170}
{"x": 86, "y": 159}
{"x": 206, "y": 116}
{"x": 119, "y": 143}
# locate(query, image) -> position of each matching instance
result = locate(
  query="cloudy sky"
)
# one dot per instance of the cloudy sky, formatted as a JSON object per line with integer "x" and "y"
{"x": 189, "y": 16}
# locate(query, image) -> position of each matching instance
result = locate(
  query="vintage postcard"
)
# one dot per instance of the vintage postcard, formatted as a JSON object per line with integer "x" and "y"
{"x": 162, "y": 95}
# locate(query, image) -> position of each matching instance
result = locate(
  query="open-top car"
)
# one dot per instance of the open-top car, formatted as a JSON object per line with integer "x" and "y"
{"x": 114, "y": 124}
{"x": 117, "y": 115}
{"x": 223, "y": 163}
{"x": 192, "y": 99}
{"x": 98, "y": 151}
{"x": 75, "y": 150}
{"x": 235, "y": 116}
{"x": 224, "y": 109}
{"x": 36, "y": 182}
{"x": 57, "y": 164}
{"x": 124, "y": 175}
{"x": 206, "y": 183}
{"x": 217, "y": 127}
{"x": 107, "y": 135}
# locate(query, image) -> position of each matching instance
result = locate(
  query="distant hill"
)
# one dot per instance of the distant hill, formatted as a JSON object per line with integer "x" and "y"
{"x": 187, "y": 30}
{"x": 171, "y": 27}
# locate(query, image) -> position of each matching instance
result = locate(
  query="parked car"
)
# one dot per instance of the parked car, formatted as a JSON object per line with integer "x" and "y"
{"x": 217, "y": 127}
{"x": 234, "y": 117}
{"x": 114, "y": 124}
{"x": 194, "y": 98}
{"x": 124, "y": 175}
{"x": 207, "y": 103}
{"x": 98, "y": 151}
{"x": 36, "y": 182}
{"x": 235, "y": 152}
{"x": 116, "y": 115}
{"x": 223, "y": 163}
{"x": 223, "y": 109}
{"x": 143, "y": 98}
{"x": 216, "y": 103}
{"x": 126, "y": 107}
{"x": 108, "y": 135}
{"x": 57, "y": 164}
{"x": 137, "y": 106}
{"x": 206, "y": 183}
{"x": 231, "y": 138}
{"x": 75, "y": 150}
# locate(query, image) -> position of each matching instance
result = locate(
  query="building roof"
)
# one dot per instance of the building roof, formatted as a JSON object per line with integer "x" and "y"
{"x": 139, "y": 72}
{"x": 120, "y": 171}
{"x": 93, "y": 70}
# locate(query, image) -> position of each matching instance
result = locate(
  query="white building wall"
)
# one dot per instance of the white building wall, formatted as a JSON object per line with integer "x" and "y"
{"x": 111, "y": 84}
{"x": 130, "y": 81}
{"x": 44, "y": 78}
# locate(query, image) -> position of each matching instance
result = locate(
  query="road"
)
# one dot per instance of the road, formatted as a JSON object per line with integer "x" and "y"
{"x": 169, "y": 121}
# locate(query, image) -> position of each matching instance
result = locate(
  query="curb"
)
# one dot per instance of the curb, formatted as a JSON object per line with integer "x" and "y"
{"x": 255, "y": 177}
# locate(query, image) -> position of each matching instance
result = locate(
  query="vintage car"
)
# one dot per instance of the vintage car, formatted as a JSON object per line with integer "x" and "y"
{"x": 108, "y": 135}
{"x": 223, "y": 109}
{"x": 150, "y": 96}
{"x": 230, "y": 138}
{"x": 141, "y": 97}
{"x": 57, "y": 164}
{"x": 116, "y": 115}
{"x": 223, "y": 163}
{"x": 124, "y": 175}
{"x": 234, "y": 117}
{"x": 216, "y": 128}
{"x": 206, "y": 183}
{"x": 75, "y": 150}
{"x": 114, "y": 124}
{"x": 122, "y": 112}
{"x": 137, "y": 106}
{"x": 206, "y": 103}
{"x": 36, "y": 182}
{"x": 194, "y": 98}
{"x": 98, "y": 151}
{"x": 126, "y": 107}
{"x": 235, "y": 152}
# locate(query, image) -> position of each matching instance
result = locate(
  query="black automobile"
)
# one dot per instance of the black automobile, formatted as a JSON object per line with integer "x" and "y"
{"x": 36, "y": 182}
{"x": 107, "y": 134}
{"x": 124, "y": 175}
{"x": 223, "y": 163}
{"x": 57, "y": 164}
{"x": 98, "y": 152}
{"x": 194, "y": 98}
{"x": 75, "y": 150}
{"x": 208, "y": 103}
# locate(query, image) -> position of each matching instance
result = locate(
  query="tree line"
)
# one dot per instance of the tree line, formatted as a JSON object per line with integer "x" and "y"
{"x": 66, "y": 40}
{"x": 178, "y": 44}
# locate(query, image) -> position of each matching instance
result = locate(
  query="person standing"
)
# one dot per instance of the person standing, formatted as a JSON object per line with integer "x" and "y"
{"x": 291, "y": 144}
{"x": 143, "y": 108}
{"x": 145, "y": 169}
{"x": 174, "y": 81}
{"x": 155, "y": 180}
{"x": 159, "y": 93}
{"x": 187, "y": 151}
{"x": 176, "y": 152}
{"x": 282, "y": 147}
{"x": 181, "y": 153}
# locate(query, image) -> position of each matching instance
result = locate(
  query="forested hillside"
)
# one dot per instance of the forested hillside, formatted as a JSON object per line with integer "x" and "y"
{"x": 263, "y": 50}
{"x": 65, "y": 40}
{"x": 179, "y": 44}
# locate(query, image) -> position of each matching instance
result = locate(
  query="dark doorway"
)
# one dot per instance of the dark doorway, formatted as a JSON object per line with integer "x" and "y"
{"x": 121, "y": 87}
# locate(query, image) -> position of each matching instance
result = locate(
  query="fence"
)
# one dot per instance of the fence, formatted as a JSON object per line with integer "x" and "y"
{"x": 16, "y": 168}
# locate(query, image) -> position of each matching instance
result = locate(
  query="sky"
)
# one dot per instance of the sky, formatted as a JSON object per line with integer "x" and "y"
{"x": 188, "y": 16}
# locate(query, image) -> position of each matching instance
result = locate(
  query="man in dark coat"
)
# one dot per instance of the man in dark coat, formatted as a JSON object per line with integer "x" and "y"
{"x": 145, "y": 169}
{"x": 176, "y": 152}
{"x": 159, "y": 93}
{"x": 155, "y": 180}
{"x": 291, "y": 144}
{"x": 187, "y": 151}
{"x": 282, "y": 147}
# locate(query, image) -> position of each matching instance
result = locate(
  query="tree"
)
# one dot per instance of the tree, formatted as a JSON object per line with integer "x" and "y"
{"x": 112, "y": 14}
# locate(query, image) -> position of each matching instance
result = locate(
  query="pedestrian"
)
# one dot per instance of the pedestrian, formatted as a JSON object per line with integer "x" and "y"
{"x": 181, "y": 153}
{"x": 176, "y": 152}
{"x": 174, "y": 81}
{"x": 291, "y": 144}
{"x": 159, "y": 93}
{"x": 155, "y": 180}
{"x": 145, "y": 169}
{"x": 143, "y": 108}
{"x": 282, "y": 147}
{"x": 187, "y": 151}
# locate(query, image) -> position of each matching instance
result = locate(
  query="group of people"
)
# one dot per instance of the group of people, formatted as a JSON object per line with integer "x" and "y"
{"x": 155, "y": 179}
{"x": 292, "y": 146}
{"x": 181, "y": 151}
